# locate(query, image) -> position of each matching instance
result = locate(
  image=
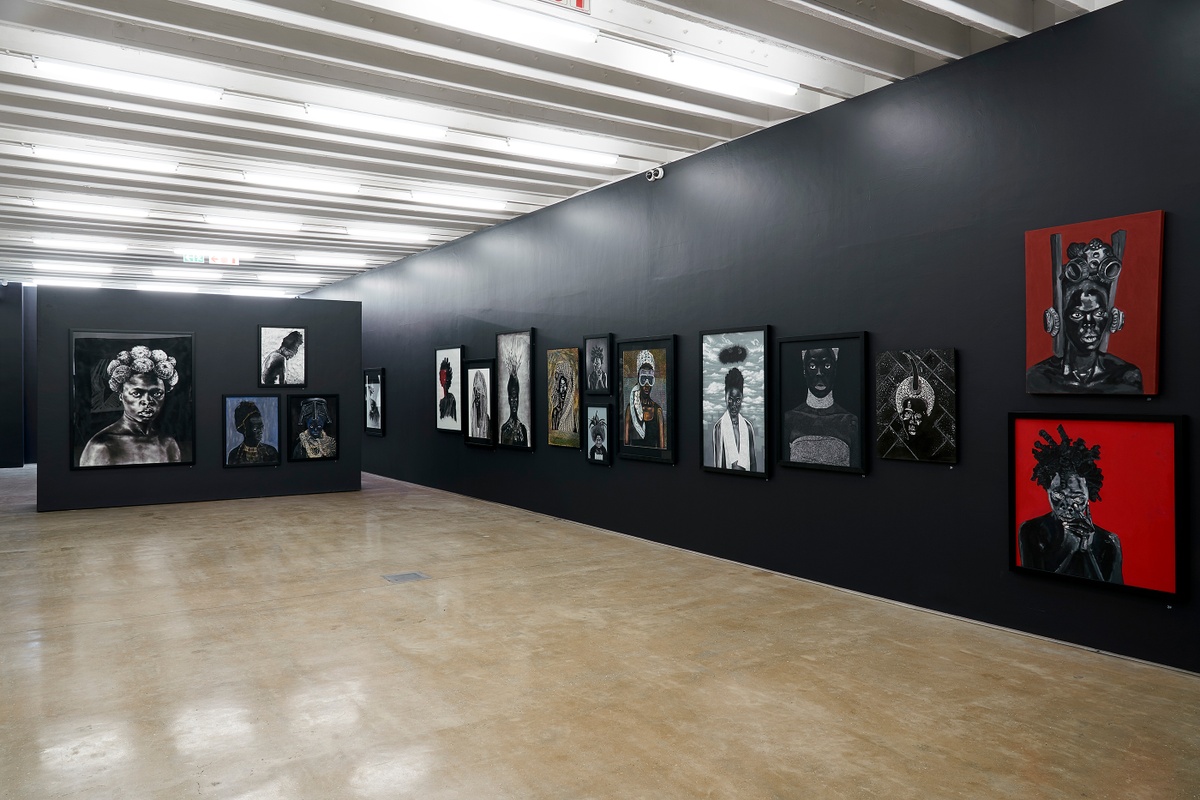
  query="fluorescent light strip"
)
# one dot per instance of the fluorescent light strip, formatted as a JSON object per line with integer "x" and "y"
{"x": 500, "y": 21}
{"x": 375, "y": 123}
{"x": 61, "y": 266}
{"x": 253, "y": 224}
{"x": 183, "y": 252}
{"x": 131, "y": 163}
{"x": 80, "y": 244}
{"x": 90, "y": 209}
{"x": 253, "y": 291}
{"x": 289, "y": 278}
{"x": 401, "y": 237}
{"x": 168, "y": 287}
{"x": 321, "y": 260}
{"x": 726, "y": 79}
{"x": 304, "y": 184}
{"x": 568, "y": 155}
{"x": 128, "y": 82}
{"x": 65, "y": 282}
{"x": 457, "y": 201}
{"x": 189, "y": 274}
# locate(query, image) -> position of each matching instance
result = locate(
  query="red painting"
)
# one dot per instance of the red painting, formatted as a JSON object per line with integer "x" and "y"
{"x": 1094, "y": 498}
{"x": 1092, "y": 297}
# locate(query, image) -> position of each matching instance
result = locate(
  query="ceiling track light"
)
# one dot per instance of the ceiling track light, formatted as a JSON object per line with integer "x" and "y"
{"x": 375, "y": 123}
{"x": 283, "y": 226}
{"x": 90, "y": 209}
{"x": 457, "y": 201}
{"x": 287, "y": 278}
{"x": 93, "y": 159}
{"x": 80, "y": 244}
{"x": 304, "y": 184}
{"x": 717, "y": 76}
{"x": 174, "y": 273}
{"x": 83, "y": 269}
{"x": 127, "y": 82}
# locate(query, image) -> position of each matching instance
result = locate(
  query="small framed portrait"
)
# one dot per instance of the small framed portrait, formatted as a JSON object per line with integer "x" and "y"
{"x": 373, "y": 398}
{"x": 916, "y": 405}
{"x": 252, "y": 429}
{"x": 733, "y": 401}
{"x": 133, "y": 399}
{"x": 562, "y": 397}
{"x": 514, "y": 371}
{"x": 1082, "y": 335}
{"x": 481, "y": 402}
{"x": 312, "y": 427}
{"x": 597, "y": 361}
{"x": 599, "y": 445}
{"x": 646, "y": 399}
{"x": 1094, "y": 499}
{"x": 449, "y": 388}
{"x": 282, "y": 357}
{"x": 823, "y": 401}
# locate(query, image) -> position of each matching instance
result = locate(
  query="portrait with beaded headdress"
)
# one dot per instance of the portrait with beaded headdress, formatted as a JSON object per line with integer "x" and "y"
{"x": 646, "y": 393}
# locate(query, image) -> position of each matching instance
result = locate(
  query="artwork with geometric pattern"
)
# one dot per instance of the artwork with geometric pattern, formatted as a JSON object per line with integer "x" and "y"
{"x": 916, "y": 408}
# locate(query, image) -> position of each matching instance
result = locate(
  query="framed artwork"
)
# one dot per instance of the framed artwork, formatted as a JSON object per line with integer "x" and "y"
{"x": 562, "y": 397}
{"x": 647, "y": 399}
{"x": 481, "y": 402}
{"x": 514, "y": 372}
{"x": 1094, "y": 499}
{"x": 733, "y": 401}
{"x": 449, "y": 388}
{"x": 282, "y": 357}
{"x": 916, "y": 405}
{"x": 822, "y": 391}
{"x": 1082, "y": 336}
{"x": 373, "y": 398}
{"x": 598, "y": 427}
{"x": 312, "y": 427}
{"x": 133, "y": 399}
{"x": 597, "y": 355}
{"x": 252, "y": 429}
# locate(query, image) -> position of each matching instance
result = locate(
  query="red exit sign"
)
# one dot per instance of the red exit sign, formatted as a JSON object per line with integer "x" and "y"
{"x": 578, "y": 5}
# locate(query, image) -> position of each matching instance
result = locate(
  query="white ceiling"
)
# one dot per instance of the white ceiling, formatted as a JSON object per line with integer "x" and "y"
{"x": 487, "y": 80}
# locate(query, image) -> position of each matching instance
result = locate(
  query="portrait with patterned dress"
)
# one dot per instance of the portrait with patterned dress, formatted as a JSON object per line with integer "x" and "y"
{"x": 822, "y": 392}
{"x": 312, "y": 427}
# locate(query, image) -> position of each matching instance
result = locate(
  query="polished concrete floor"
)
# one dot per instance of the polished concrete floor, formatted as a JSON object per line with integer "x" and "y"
{"x": 251, "y": 649}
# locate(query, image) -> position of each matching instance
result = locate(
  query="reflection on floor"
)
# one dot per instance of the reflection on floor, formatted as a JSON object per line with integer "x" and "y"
{"x": 252, "y": 649}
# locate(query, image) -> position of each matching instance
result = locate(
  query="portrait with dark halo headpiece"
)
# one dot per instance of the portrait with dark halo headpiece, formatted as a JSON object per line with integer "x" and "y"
{"x": 252, "y": 426}
{"x": 282, "y": 356}
{"x": 132, "y": 399}
{"x": 448, "y": 414}
{"x": 1083, "y": 336}
{"x": 562, "y": 397}
{"x": 733, "y": 401}
{"x": 312, "y": 427}
{"x": 916, "y": 405}
{"x": 514, "y": 389}
{"x": 822, "y": 380}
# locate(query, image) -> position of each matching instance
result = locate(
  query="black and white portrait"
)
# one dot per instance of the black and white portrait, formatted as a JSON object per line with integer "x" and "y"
{"x": 133, "y": 399}
{"x": 733, "y": 400}
{"x": 597, "y": 422}
{"x": 251, "y": 430}
{"x": 373, "y": 400}
{"x": 915, "y": 397}
{"x": 480, "y": 380}
{"x": 597, "y": 366}
{"x": 449, "y": 383}
{"x": 822, "y": 381}
{"x": 312, "y": 427}
{"x": 282, "y": 357}
{"x": 514, "y": 367}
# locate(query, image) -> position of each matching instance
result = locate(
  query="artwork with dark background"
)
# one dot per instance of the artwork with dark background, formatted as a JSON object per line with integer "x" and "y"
{"x": 733, "y": 401}
{"x": 514, "y": 390}
{"x": 251, "y": 430}
{"x": 449, "y": 388}
{"x": 1094, "y": 498}
{"x": 481, "y": 402}
{"x": 373, "y": 399}
{"x": 916, "y": 405}
{"x": 562, "y": 397}
{"x": 822, "y": 398}
{"x": 312, "y": 427}
{"x": 599, "y": 425}
{"x": 597, "y": 363}
{"x": 132, "y": 399}
{"x": 646, "y": 396}
{"x": 282, "y": 357}
{"x": 1082, "y": 336}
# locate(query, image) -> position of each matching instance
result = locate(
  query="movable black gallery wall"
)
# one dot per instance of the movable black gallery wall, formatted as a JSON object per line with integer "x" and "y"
{"x": 12, "y": 433}
{"x": 901, "y": 213}
{"x": 226, "y": 362}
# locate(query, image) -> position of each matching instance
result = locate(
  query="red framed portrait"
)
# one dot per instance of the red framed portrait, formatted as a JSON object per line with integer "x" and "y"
{"x": 1093, "y": 292}
{"x": 1094, "y": 499}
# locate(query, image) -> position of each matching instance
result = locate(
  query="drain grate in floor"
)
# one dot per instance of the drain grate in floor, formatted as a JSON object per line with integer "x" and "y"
{"x": 406, "y": 577}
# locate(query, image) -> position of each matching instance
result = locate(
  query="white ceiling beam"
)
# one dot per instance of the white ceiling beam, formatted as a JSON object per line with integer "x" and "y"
{"x": 1006, "y": 19}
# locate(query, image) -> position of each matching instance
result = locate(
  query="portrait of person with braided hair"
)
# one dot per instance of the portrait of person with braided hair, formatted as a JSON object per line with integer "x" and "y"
{"x": 1066, "y": 540}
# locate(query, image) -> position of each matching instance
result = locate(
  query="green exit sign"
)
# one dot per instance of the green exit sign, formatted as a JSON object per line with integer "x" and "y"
{"x": 193, "y": 258}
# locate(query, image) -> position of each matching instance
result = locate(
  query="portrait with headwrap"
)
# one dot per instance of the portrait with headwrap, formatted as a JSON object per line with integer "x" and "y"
{"x": 647, "y": 399}
{"x": 916, "y": 405}
{"x": 251, "y": 430}
{"x": 822, "y": 380}
{"x": 514, "y": 388}
{"x": 312, "y": 427}
{"x": 733, "y": 401}
{"x": 562, "y": 397}
{"x": 132, "y": 399}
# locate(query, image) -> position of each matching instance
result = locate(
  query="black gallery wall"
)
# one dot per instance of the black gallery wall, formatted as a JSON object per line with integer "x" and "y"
{"x": 901, "y": 213}
{"x": 225, "y": 345}
{"x": 12, "y": 367}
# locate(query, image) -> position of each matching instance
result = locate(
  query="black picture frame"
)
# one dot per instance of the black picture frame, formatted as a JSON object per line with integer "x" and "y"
{"x": 480, "y": 432}
{"x": 1135, "y": 532}
{"x": 448, "y": 414}
{"x": 603, "y": 387}
{"x": 563, "y": 413}
{"x": 373, "y": 402}
{"x": 810, "y": 433}
{"x": 299, "y": 408}
{"x": 602, "y": 413}
{"x": 269, "y": 452}
{"x": 152, "y": 362}
{"x": 917, "y": 423}
{"x": 664, "y": 394}
{"x": 514, "y": 361}
{"x": 728, "y": 357}
{"x": 292, "y": 370}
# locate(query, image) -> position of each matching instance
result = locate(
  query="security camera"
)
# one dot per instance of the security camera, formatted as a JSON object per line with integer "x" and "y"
{"x": 654, "y": 174}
